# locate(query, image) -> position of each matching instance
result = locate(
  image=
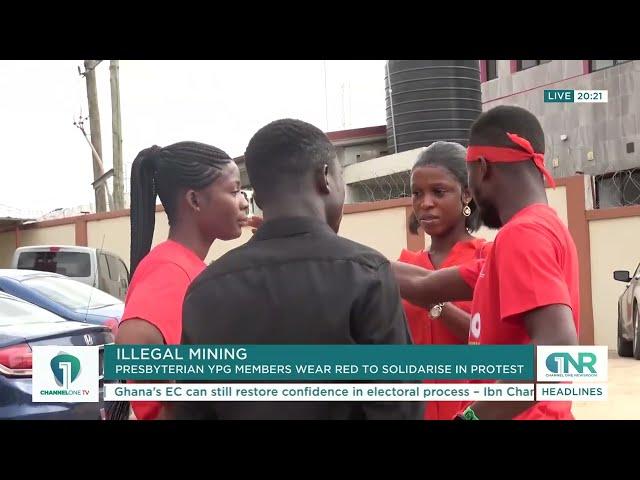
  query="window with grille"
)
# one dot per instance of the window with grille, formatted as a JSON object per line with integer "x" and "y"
{"x": 525, "y": 64}
{"x": 618, "y": 189}
{"x": 595, "y": 65}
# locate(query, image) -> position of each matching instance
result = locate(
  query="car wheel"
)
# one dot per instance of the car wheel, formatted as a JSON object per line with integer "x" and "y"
{"x": 625, "y": 347}
{"x": 636, "y": 332}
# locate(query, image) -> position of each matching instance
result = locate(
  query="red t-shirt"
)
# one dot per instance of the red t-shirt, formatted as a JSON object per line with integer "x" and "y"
{"x": 432, "y": 331}
{"x": 533, "y": 263}
{"x": 156, "y": 293}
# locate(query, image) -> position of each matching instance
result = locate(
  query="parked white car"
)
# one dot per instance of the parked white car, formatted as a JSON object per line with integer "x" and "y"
{"x": 95, "y": 267}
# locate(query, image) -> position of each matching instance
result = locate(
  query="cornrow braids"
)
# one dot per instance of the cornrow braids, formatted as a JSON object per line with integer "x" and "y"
{"x": 165, "y": 172}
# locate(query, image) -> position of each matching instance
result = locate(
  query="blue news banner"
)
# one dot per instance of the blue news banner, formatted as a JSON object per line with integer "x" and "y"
{"x": 318, "y": 372}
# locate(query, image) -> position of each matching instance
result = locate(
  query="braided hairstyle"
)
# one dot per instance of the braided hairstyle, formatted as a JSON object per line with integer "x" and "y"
{"x": 166, "y": 172}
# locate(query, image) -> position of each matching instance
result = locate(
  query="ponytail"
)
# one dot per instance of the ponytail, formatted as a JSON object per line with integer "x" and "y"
{"x": 143, "y": 205}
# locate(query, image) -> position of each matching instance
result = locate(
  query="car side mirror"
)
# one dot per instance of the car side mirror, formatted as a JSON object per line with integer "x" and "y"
{"x": 622, "y": 276}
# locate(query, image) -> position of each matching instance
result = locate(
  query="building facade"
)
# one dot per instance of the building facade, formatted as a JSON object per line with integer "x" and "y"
{"x": 598, "y": 139}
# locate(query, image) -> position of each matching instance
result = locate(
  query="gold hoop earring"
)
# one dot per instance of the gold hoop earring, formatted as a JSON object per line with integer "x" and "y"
{"x": 466, "y": 211}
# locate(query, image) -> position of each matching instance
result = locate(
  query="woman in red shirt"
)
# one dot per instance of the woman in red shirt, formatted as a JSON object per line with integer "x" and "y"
{"x": 443, "y": 207}
{"x": 199, "y": 187}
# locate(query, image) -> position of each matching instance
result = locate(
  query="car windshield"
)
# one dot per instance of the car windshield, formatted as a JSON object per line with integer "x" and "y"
{"x": 71, "y": 264}
{"x": 71, "y": 293}
{"x": 18, "y": 312}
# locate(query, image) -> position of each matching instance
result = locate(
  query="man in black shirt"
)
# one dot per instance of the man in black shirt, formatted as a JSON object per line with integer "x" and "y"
{"x": 296, "y": 281}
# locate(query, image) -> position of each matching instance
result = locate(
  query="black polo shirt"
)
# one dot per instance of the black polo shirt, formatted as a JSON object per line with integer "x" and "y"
{"x": 296, "y": 282}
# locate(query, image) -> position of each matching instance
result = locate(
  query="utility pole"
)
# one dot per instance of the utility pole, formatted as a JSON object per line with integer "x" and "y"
{"x": 116, "y": 128}
{"x": 100, "y": 182}
{"x": 326, "y": 102}
{"x": 344, "y": 117}
{"x": 96, "y": 136}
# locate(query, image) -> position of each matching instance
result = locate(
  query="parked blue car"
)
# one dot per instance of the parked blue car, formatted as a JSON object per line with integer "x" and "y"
{"x": 67, "y": 298}
{"x": 22, "y": 326}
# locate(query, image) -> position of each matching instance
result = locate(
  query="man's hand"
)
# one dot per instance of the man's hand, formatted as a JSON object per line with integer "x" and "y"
{"x": 548, "y": 325}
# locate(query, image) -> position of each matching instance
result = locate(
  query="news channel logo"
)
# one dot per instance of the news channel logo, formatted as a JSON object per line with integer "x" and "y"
{"x": 575, "y": 363}
{"x": 65, "y": 374}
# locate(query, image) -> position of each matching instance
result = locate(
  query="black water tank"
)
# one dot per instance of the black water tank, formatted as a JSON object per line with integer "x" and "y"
{"x": 431, "y": 100}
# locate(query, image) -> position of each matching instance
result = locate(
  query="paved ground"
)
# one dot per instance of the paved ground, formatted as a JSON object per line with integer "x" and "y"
{"x": 624, "y": 394}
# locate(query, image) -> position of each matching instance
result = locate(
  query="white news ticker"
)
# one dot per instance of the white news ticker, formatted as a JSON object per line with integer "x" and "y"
{"x": 313, "y": 392}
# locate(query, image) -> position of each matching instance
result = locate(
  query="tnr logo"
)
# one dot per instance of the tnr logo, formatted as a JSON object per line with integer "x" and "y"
{"x": 561, "y": 362}
{"x": 574, "y": 363}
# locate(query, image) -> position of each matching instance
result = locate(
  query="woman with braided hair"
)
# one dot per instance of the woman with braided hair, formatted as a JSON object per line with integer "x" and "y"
{"x": 199, "y": 188}
{"x": 443, "y": 207}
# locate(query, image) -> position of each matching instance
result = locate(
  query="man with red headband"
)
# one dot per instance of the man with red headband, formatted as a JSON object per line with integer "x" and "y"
{"x": 526, "y": 291}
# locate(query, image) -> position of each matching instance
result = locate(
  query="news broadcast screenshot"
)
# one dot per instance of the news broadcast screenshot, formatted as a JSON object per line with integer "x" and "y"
{"x": 406, "y": 240}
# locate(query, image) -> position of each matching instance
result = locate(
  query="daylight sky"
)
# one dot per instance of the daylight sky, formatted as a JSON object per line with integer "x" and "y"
{"x": 46, "y": 162}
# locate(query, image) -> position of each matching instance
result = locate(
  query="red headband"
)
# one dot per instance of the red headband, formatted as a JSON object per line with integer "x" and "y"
{"x": 505, "y": 154}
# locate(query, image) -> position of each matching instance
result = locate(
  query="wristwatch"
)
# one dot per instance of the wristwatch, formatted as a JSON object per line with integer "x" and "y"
{"x": 436, "y": 310}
